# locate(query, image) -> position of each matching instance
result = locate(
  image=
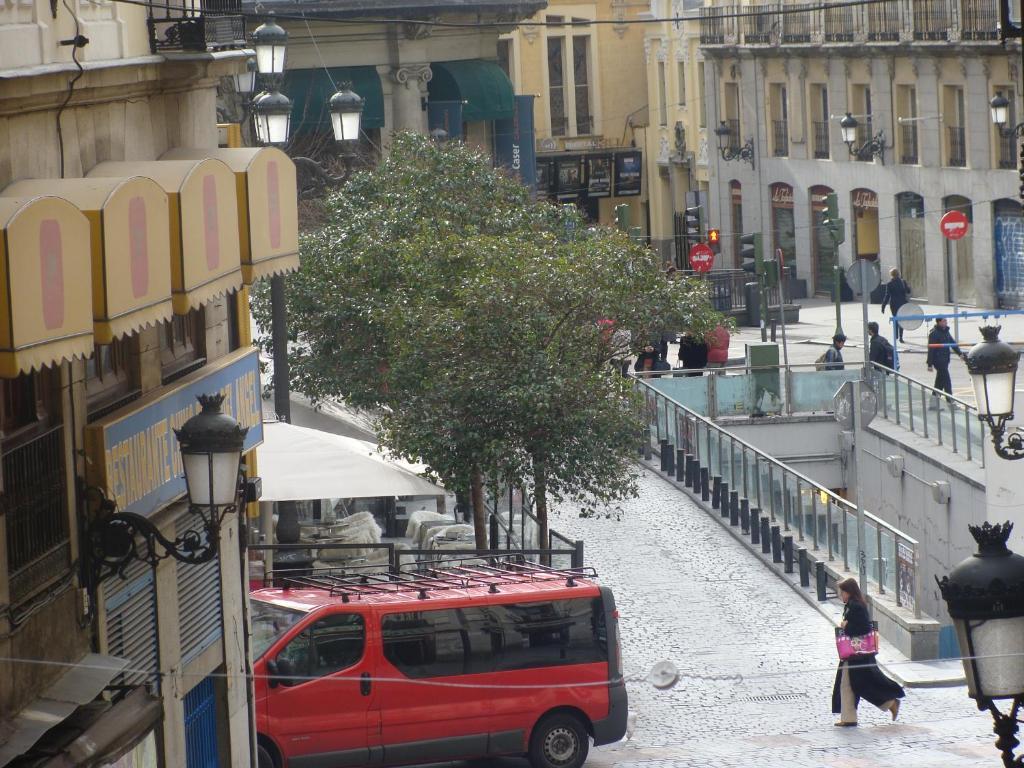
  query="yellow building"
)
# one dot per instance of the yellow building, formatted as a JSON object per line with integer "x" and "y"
{"x": 590, "y": 102}
{"x": 127, "y": 242}
{"x": 676, "y": 140}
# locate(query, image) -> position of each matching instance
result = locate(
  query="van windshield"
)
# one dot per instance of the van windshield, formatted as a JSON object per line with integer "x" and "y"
{"x": 269, "y": 622}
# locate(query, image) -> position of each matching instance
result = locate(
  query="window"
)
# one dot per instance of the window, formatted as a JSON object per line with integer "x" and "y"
{"x": 234, "y": 331}
{"x": 906, "y": 111}
{"x": 495, "y": 638}
{"x": 505, "y": 57}
{"x": 570, "y": 102}
{"x": 109, "y": 377}
{"x": 18, "y": 403}
{"x": 662, "y": 98}
{"x": 860, "y": 104}
{"x": 953, "y": 121}
{"x": 681, "y": 82}
{"x": 819, "y": 121}
{"x": 1006, "y": 146}
{"x": 702, "y": 114}
{"x": 182, "y": 348}
{"x": 330, "y": 645}
{"x": 779, "y": 108}
{"x": 732, "y": 114}
{"x": 269, "y": 622}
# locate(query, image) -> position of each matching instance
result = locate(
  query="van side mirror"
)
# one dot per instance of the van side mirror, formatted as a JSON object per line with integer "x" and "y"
{"x": 280, "y": 672}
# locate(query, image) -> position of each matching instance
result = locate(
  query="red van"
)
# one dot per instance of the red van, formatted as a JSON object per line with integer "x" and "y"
{"x": 463, "y": 663}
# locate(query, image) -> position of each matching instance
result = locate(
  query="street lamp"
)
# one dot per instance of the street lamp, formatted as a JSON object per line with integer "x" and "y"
{"x": 985, "y": 598}
{"x": 999, "y": 108}
{"x": 245, "y": 82}
{"x": 272, "y": 111}
{"x": 729, "y": 151}
{"x": 992, "y": 365}
{"x": 346, "y": 108}
{"x": 270, "y": 41}
{"x": 211, "y": 450}
{"x": 873, "y": 147}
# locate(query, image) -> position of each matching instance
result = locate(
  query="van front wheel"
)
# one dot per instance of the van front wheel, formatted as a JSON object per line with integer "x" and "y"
{"x": 559, "y": 741}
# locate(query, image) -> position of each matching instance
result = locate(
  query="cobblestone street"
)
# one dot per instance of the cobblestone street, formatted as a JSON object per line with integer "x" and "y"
{"x": 756, "y": 662}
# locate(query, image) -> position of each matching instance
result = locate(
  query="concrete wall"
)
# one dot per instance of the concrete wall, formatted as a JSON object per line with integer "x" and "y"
{"x": 809, "y": 444}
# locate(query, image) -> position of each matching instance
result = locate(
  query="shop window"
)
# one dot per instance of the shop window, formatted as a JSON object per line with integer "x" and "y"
{"x": 182, "y": 347}
{"x": 109, "y": 378}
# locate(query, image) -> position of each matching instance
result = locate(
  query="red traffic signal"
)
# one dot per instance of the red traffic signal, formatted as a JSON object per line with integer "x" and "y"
{"x": 713, "y": 236}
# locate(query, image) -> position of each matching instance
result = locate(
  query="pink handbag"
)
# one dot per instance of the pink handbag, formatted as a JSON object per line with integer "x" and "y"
{"x": 861, "y": 644}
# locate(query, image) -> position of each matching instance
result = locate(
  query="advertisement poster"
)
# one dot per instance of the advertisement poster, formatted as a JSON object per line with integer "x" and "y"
{"x": 570, "y": 177}
{"x": 544, "y": 178}
{"x": 599, "y": 176}
{"x": 514, "y": 143}
{"x": 628, "y": 173}
{"x": 905, "y": 566}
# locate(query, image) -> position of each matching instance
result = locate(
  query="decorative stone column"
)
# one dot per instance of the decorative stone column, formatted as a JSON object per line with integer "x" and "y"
{"x": 408, "y": 97}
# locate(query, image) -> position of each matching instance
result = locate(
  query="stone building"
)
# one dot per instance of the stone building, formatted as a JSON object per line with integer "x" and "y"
{"x": 128, "y": 244}
{"x": 917, "y": 77}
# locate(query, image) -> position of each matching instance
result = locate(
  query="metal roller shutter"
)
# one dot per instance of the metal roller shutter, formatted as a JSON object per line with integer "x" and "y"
{"x": 199, "y": 604}
{"x": 131, "y": 624}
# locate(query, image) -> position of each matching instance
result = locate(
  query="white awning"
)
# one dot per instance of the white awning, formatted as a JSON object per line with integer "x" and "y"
{"x": 298, "y": 463}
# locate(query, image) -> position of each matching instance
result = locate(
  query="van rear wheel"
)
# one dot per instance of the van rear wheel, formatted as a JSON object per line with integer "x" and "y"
{"x": 263, "y": 757}
{"x": 559, "y": 741}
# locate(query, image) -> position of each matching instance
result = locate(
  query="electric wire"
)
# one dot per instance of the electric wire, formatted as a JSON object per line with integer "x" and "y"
{"x": 71, "y": 85}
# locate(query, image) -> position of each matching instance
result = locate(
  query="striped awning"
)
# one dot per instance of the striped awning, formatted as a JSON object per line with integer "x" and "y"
{"x": 46, "y": 312}
{"x": 268, "y": 217}
{"x": 130, "y": 243}
{"x": 203, "y": 218}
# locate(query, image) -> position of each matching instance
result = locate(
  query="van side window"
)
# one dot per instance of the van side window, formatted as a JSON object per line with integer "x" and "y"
{"x": 330, "y": 645}
{"x": 494, "y": 638}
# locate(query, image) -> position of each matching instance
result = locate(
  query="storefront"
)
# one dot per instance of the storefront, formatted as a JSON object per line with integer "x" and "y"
{"x": 1008, "y": 240}
{"x": 864, "y": 204}
{"x": 823, "y": 249}
{"x": 913, "y": 264}
{"x": 585, "y": 180}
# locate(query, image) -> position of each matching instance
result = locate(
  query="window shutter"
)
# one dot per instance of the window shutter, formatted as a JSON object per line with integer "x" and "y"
{"x": 199, "y": 604}
{"x": 131, "y": 624}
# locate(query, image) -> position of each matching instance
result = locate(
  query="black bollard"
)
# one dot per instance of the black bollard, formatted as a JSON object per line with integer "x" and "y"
{"x": 670, "y": 458}
{"x": 805, "y": 566}
{"x": 820, "y": 580}
{"x": 776, "y": 544}
{"x": 734, "y": 508}
{"x": 663, "y": 454}
{"x": 766, "y": 536}
{"x": 787, "y": 554}
{"x": 723, "y": 500}
{"x": 705, "y": 491}
{"x": 755, "y": 526}
{"x": 716, "y": 493}
{"x": 696, "y": 475}
{"x": 680, "y": 465}
{"x": 745, "y": 515}
{"x": 688, "y": 470}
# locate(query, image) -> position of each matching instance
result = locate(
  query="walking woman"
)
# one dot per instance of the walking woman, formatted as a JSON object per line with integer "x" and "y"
{"x": 859, "y": 677}
{"x": 897, "y": 293}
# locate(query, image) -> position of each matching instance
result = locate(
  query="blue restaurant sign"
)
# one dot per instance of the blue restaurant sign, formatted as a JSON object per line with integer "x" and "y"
{"x": 133, "y": 453}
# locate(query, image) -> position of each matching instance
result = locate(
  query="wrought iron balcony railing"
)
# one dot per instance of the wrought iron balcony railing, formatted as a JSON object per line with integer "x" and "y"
{"x": 957, "y": 154}
{"x": 821, "y": 148}
{"x": 908, "y": 144}
{"x": 196, "y": 25}
{"x": 780, "y": 138}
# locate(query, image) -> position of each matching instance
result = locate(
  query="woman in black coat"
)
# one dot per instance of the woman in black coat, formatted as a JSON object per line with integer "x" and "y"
{"x": 897, "y": 293}
{"x": 859, "y": 677}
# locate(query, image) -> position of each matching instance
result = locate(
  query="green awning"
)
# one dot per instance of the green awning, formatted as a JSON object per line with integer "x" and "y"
{"x": 482, "y": 86}
{"x": 309, "y": 90}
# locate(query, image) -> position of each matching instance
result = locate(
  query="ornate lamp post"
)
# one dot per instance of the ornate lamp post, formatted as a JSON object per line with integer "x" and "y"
{"x": 728, "y": 150}
{"x": 993, "y": 368}
{"x": 270, "y": 41}
{"x": 211, "y": 451}
{"x": 985, "y": 598}
{"x": 873, "y": 147}
{"x": 273, "y": 114}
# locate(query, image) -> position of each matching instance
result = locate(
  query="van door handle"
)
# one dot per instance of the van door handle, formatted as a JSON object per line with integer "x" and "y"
{"x": 364, "y": 683}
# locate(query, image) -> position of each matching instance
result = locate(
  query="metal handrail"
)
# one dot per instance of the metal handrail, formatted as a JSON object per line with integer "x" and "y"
{"x": 817, "y": 490}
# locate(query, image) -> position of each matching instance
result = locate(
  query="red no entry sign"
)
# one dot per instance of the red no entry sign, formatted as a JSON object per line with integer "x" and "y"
{"x": 953, "y": 225}
{"x": 701, "y": 258}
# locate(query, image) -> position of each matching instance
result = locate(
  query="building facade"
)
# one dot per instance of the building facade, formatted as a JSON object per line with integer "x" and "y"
{"x": 129, "y": 240}
{"x": 917, "y": 77}
{"x": 590, "y": 104}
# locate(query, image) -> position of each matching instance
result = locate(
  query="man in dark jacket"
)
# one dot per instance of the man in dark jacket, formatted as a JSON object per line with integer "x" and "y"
{"x": 940, "y": 344}
{"x": 897, "y": 293}
{"x": 879, "y": 349}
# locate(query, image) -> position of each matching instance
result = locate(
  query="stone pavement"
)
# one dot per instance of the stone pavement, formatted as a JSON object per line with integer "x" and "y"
{"x": 756, "y": 662}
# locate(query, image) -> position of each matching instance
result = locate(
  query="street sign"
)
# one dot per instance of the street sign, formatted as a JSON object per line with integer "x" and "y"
{"x": 701, "y": 258}
{"x": 842, "y": 404}
{"x": 953, "y": 225}
{"x": 910, "y": 308}
{"x": 853, "y": 277}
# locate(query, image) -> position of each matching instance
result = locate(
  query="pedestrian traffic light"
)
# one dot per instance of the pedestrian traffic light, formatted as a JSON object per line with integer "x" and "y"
{"x": 836, "y": 226}
{"x": 714, "y": 236}
{"x": 751, "y": 247}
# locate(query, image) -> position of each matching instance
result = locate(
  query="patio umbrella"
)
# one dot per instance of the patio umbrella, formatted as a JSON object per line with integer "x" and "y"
{"x": 297, "y": 463}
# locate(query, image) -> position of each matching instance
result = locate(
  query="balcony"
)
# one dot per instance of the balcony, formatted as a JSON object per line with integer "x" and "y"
{"x": 797, "y": 27}
{"x": 196, "y": 26}
{"x": 931, "y": 20}
{"x": 957, "y": 155}
{"x": 714, "y": 28}
{"x": 908, "y": 144}
{"x": 839, "y": 24}
{"x": 864, "y": 135}
{"x": 780, "y": 138}
{"x": 1008, "y": 152}
{"x": 978, "y": 20}
{"x": 884, "y": 22}
{"x": 35, "y": 505}
{"x": 757, "y": 29}
{"x": 734, "y": 134}
{"x": 820, "y": 138}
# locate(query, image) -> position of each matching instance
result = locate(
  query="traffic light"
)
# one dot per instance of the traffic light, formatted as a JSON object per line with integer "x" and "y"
{"x": 693, "y": 225}
{"x": 835, "y": 225}
{"x": 751, "y": 247}
{"x": 714, "y": 238}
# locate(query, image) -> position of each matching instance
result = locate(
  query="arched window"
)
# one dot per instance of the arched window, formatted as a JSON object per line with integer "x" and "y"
{"x": 912, "y": 263}
{"x": 960, "y": 256}
{"x": 1008, "y": 247}
{"x": 783, "y": 225}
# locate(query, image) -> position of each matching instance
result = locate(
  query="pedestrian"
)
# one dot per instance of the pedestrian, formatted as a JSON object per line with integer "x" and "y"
{"x": 940, "y": 344}
{"x": 648, "y": 358}
{"x": 859, "y": 677}
{"x": 832, "y": 359}
{"x": 693, "y": 354}
{"x": 879, "y": 350}
{"x": 897, "y": 293}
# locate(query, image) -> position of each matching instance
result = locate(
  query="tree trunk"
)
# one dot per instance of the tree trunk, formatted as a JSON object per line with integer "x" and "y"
{"x": 479, "y": 510}
{"x": 540, "y": 492}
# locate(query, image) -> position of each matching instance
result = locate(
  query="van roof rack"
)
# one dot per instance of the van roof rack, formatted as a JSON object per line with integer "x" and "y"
{"x": 437, "y": 576}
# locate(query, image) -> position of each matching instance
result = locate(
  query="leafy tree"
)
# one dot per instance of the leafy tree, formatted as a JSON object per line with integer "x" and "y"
{"x": 481, "y": 324}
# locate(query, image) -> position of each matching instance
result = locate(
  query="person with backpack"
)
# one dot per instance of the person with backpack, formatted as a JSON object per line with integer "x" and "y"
{"x": 879, "y": 350}
{"x": 832, "y": 359}
{"x": 897, "y": 293}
